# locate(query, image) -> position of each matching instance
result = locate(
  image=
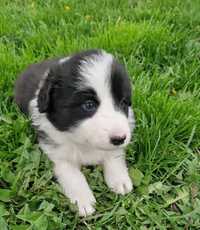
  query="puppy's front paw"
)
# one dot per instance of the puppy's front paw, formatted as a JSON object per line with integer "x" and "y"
{"x": 85, "y": 209}
{"x": 85, "y": 204}
{"x": 121, "y": 184}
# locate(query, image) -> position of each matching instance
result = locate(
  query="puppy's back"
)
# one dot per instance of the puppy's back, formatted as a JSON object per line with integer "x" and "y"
{"x": 28, "y": 83}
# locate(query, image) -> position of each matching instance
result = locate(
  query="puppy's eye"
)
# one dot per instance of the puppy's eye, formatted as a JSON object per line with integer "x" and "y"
{"x": 89, "y": 106}
{"x": 125, "y": 102}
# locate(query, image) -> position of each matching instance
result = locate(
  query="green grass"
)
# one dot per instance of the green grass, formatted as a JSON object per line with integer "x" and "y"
{"x": 159, "y": 42}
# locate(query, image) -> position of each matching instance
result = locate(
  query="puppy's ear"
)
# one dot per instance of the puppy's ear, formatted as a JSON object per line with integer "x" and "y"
{"x": 44, "y": 94}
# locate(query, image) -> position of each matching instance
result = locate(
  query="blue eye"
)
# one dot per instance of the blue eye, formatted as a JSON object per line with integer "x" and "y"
{"x": 89, "y": 106}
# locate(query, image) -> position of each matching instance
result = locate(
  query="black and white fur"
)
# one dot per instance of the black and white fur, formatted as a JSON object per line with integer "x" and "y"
{"x": 81, "y": 107}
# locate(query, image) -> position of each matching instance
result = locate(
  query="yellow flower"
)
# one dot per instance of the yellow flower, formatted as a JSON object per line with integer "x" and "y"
{"x": 88, "y": 17}
{"x": 33, "y": 4}
{"x": 67, "y": 8}
{"x": 173, "y": 92}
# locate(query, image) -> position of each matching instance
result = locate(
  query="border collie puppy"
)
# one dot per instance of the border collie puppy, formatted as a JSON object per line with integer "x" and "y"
{"x": 81, "y": 108}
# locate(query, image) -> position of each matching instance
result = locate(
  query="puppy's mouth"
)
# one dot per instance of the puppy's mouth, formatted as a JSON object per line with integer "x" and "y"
{"x": 111, "y": 147}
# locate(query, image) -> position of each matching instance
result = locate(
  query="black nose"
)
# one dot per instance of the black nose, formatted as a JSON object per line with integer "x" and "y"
{"x": 117, "y": 140}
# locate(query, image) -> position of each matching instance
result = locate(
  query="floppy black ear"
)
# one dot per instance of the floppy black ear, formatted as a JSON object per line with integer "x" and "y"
{"x": 44, "y": 94}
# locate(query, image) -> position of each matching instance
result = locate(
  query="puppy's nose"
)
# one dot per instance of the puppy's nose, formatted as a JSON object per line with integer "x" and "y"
{"x": 117, "y": 140}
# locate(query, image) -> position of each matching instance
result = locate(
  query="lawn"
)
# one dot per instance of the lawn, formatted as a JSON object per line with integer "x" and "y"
{"x": 159, "y": 43}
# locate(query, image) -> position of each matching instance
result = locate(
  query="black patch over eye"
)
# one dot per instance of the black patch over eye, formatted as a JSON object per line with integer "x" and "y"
{"x": 120, "y": 87}
{"x": 89, "y": 106}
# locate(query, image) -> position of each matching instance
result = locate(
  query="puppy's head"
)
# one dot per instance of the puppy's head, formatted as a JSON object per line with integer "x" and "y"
{"x": 88, "y": 96}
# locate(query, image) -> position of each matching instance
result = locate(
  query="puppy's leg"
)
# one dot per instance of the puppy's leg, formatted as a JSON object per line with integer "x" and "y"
{"x": 75, "y": 187}
{"x": 116, "y": 174}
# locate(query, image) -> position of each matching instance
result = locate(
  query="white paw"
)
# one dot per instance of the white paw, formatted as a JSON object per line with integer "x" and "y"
{"x": 85, "y": 209}
{"x": 85, "y": 204}
{"x": 121, "y": 184}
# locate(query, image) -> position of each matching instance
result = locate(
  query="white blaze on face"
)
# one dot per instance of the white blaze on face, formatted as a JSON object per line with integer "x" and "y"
{"x": 107, "y": 121}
